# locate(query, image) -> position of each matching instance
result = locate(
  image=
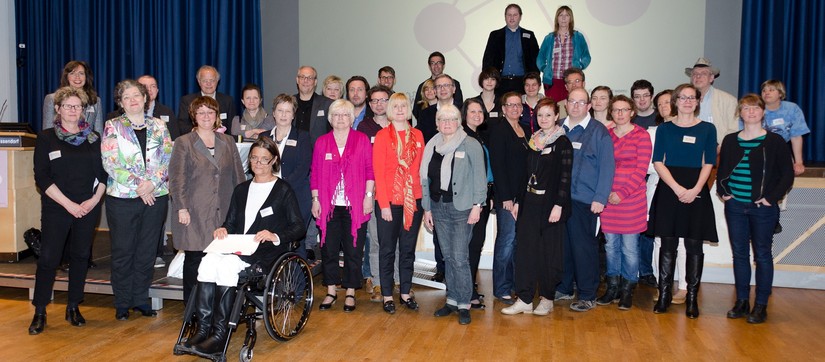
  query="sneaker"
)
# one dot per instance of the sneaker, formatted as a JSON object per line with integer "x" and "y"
{"x": 376, "y": 295}
{"x": 583, "y": 305}
{"x": 562, "y": 296}
{"x": 517, "y": 308}
{"x": 544, "y": 308}
{"x": 159, "y": 263}
{"x": 679, "y": 297}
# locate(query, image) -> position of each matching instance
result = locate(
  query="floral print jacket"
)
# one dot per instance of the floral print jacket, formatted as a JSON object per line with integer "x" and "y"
{"x": 124, "y": 161}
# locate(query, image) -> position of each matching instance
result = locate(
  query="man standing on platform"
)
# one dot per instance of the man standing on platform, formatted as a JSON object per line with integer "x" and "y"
{"x": 436, "y": 64}
{"x": 512, "y": 50}
{"x": 208, "y": 78}
{"x": 716, "y": 106}
{"x": 386, "y": 77}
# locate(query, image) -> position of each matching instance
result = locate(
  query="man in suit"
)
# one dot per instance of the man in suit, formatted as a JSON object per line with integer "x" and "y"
{"x": 436, "y": 63}
{"x": 208, "y": 78}
{"x": 312, "y": 107}
{"x": 445, "y": 89}
{"x": 512, "y": 50}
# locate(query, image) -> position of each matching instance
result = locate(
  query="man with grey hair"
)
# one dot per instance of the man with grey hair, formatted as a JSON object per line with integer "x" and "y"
{"x": 208, "y": 78}
{"x": 311, "y": 115}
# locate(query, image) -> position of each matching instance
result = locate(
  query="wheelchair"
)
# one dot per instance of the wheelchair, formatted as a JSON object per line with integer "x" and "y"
{"x": 287, "y": 292}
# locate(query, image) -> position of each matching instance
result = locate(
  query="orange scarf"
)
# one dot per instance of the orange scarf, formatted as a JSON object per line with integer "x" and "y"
{"x": 403, "y": 181}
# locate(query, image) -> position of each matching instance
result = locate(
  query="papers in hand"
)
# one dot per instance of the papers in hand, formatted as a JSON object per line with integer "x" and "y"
{"x": 238, "y": 244}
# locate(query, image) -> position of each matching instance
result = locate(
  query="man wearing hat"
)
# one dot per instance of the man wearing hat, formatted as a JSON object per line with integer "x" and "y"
{"x": 716, "y": 106}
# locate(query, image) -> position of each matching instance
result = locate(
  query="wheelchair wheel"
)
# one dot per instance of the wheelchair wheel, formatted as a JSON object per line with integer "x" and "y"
{"x": 245, "y": 355}
{"x": 288, "y": 297}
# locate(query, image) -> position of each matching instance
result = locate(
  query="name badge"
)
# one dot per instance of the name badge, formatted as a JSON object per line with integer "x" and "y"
{"x": 372, "y": 139}
{"x": 90, "y": 109}
{"x": 266, "y": 212}
{"x": 320, "y": 113}
{"x": 546, "y": 151}
{"x": 556, "y": 50}
{"x": 493, "y": 114}
{"x": 459, "y": 154}
{"x": 418, "y": 144}
{"x": 577, "y": 145}
{"x": 778, "y": 122}
{"x": 689, "y": 139}
{"x": 94, "y": 185}
{"x": 291, "y": 143}
{"x": 165, "y": 118}
{"x": 243, "y": 127}
{"x": 54, "y": 154}
{"x": 328, "y": 156}
{"x": 525, "y": 35}
{"x": 223, "y": 115}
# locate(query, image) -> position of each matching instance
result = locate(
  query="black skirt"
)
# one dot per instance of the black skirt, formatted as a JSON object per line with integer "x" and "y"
{"x": 670, "y": 217}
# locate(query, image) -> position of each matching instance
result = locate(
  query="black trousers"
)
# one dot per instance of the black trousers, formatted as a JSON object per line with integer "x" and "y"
{"x": 134, "y": 228}
{"x": 59, "y": 228}
{"x": 477, "y": 242}
{"x": 191, "y": 263}
{"x": 391, "y": 235}
{"x": 510, "y": 84}
{"x": 692, "y": 246}
{"x": 539, "y": 255}
{"x": 338, "y": 238}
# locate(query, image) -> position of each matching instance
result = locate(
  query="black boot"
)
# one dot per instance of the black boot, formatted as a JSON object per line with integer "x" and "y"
{"x": 626, "y": 300}
{"x": 693, "y": 276}
{"x": 758, "y": 314}
{"x": 740, "y": 309}
{"x": 224, "y": 299}
{"x": 611, "y": 293}
{"x": 667, "y": 265}
{"x": 204, "y": 299}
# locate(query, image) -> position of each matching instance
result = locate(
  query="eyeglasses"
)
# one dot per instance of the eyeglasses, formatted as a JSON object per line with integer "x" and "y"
{"x": 305, "y": 78}
{"x": 576, "y": 81}
{"x": 576, "y": 103}
{"x": 260, "y": 161}
{"x": 511, "y": 104}
{"x": 437, "y": 62}
{"x": 641, "y": 96}
{"x": 443, "y": 86}
{"x": 686, "y": 99}
{"x": 69, "y": 107}
{"x": 387, "y": 77}
{"x": 621, "y": 110}
{"x": 208, "y": 80}
{"x": 379, "y": 101}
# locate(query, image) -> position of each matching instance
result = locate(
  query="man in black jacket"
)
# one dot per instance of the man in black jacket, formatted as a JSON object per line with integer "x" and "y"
{"x": 208, "y": 78}
{"x": 512, "y": 50}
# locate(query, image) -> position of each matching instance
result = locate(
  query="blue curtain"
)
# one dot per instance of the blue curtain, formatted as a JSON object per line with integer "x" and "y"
{"x": 126, "y": 39}
{"x": 785, "y": 40}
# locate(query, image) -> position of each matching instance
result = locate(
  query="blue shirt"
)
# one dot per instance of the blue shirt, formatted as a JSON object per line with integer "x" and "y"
{"x": 685, "y": 146}
{"x": 787, "y": 121}
{"x": 513, "y": 63}
{"x": 593, "y": 162}
{"x": 359, "y": 117}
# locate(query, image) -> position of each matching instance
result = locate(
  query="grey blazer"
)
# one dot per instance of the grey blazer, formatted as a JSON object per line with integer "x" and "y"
{"x": 469, "y": 178}
{"x": 203, "y": 185}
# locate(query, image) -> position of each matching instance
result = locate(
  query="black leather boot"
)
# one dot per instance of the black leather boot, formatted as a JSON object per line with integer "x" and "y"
{"x": 626, "y": 300}
{"x": 758, "y": 314}
{"x": 740, "y": 309}
{"x": 693, "y": 276}
{"x": 205, "y": 299}
{"x": 611, "y": 293}
{"x": 38, "y": 324}
{"x": 224, "y": 299}
{"x": 667, "y": 265}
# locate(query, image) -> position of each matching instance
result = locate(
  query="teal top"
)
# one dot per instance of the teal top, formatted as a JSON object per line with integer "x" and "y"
{"x": 741, "y": 179}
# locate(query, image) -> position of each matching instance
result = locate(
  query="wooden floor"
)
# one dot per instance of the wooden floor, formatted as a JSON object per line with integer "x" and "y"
{"x": 793, "y": 332}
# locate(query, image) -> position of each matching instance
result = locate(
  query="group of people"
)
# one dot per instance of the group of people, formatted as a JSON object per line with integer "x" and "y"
{"x": 362, "y": 176}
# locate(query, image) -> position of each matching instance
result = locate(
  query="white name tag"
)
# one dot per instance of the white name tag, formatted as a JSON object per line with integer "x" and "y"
{"x": 577, "y": 145}
{"x": 243, "y": 127}
{"x": 525, "y": 35}
{"x": 291, "y": 143}
{"x": 546, "y": 151}
{"x": 778, "y": 122}
{"x": 321, "y": 113}
{"x": 418, "y": 144}
{"x": 372, "y": 139}
{"x": 266, "y": 212}
{"x": 459, "y": 154}
{"x": 689, "y": 139}
{"x": 328, "y": 156}
{"x": 165, "y": 118}
{"x": 556, "y": 50}
{"x": 493, "y": 114}
{"x": 90, "y": 109}
{"x": 223, "y": 115}
{"x": 54, "y": 154}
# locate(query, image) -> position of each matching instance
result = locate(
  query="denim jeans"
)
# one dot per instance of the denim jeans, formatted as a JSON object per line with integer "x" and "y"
{"x": 454, "y": 235}
{"x": 622, "y": 252}
{"x": 503, "y": 253}
{"x": 581, "y": 253}
{"x": 645, "y": 255}
{"x": 748, "y": 224}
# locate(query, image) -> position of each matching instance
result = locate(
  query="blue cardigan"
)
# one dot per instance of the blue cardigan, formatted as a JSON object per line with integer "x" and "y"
{"x": 581, "y": 55}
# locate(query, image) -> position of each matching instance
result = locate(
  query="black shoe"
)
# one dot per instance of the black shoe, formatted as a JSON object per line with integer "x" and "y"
{"x": 145, "y": 311}
{"x": 349, "y": 308}
{"x": 38, "y": 324}
{"x": 477, "y": 304}
{"x": 740, "y": 309}
{"x": 757, "y": 316}
{"x": 445, "y": 310}
{"x": 778, "y": 228}
{"x": 310, "y": 254}
{"x": 506, "y": 301}
{"x": 64, "y": 267}
{"x": 92, "y": 264}
{"x": 325, "y": 306}
{"x": 463, "y": 316}
{"x": 611, "y": 293}
{"x": 648, "y": 280}
{"x": 438, "y": 277}
{"x": 74, "y": 317}
{"x": 389, "y": 306}
{"x": 410, "y": 303}
{"x": 122, "y": 314}
{"x": 626, "y": 295}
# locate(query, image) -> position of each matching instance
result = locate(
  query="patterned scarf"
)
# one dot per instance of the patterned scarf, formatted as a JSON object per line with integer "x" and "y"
{"x": 403, "y": 181}
{"x": 74, "y": 139}
{"x": 543, "y": 138}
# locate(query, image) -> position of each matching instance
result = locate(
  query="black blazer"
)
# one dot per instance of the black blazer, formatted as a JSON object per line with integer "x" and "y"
{"x": 458, "y": 100}
{"x": 159, "y": 111}
{"x": 494, "y": 52}
{"x": 225, "y": 104}
{"x": 285, "y": 221}
{"x": 771, "y": 166}
{"x": 508, "y": 155}
{"x": 319, "y": 121}
{"x": 295, "y": 163}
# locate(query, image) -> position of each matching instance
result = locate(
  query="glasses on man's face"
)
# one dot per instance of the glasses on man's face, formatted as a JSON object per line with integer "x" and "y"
{"x": 686, "y": 99}
{"x": 443, "y": 86}
{"x": 387, "y": 77}
{"x": 437, "y": 62}
{"x": 260, "y": 161}
{"x": 641, "y": 96}
{"x": 208, "y": 80}
{"x": 305, "y": 78}
{"x": 573, "y": 103}
{"x": 573, "y": 81}
{"x": 379, "y": 101}
{"x": 700, "y": 74}
{"x": 70, "y": 107}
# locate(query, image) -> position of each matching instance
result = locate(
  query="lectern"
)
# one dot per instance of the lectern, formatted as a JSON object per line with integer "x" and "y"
{"x": 19, "y": 199}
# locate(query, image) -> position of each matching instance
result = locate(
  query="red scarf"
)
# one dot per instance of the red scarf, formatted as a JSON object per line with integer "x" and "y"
{"x": 403, "y": 180}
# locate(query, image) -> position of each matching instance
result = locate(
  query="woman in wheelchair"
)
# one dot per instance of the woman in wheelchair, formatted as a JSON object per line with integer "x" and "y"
{"x": 264, "y": 206}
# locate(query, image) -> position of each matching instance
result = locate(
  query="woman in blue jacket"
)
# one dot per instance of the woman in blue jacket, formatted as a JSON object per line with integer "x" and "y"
{"x": 563, "y": 48}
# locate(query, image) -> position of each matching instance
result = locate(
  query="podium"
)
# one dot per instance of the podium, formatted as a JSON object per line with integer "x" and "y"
{"x": 19, "y": 199}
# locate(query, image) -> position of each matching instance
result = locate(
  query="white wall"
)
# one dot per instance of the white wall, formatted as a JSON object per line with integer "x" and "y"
{"x": 628, "y": 40}
{"x": 8, "y": 63}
